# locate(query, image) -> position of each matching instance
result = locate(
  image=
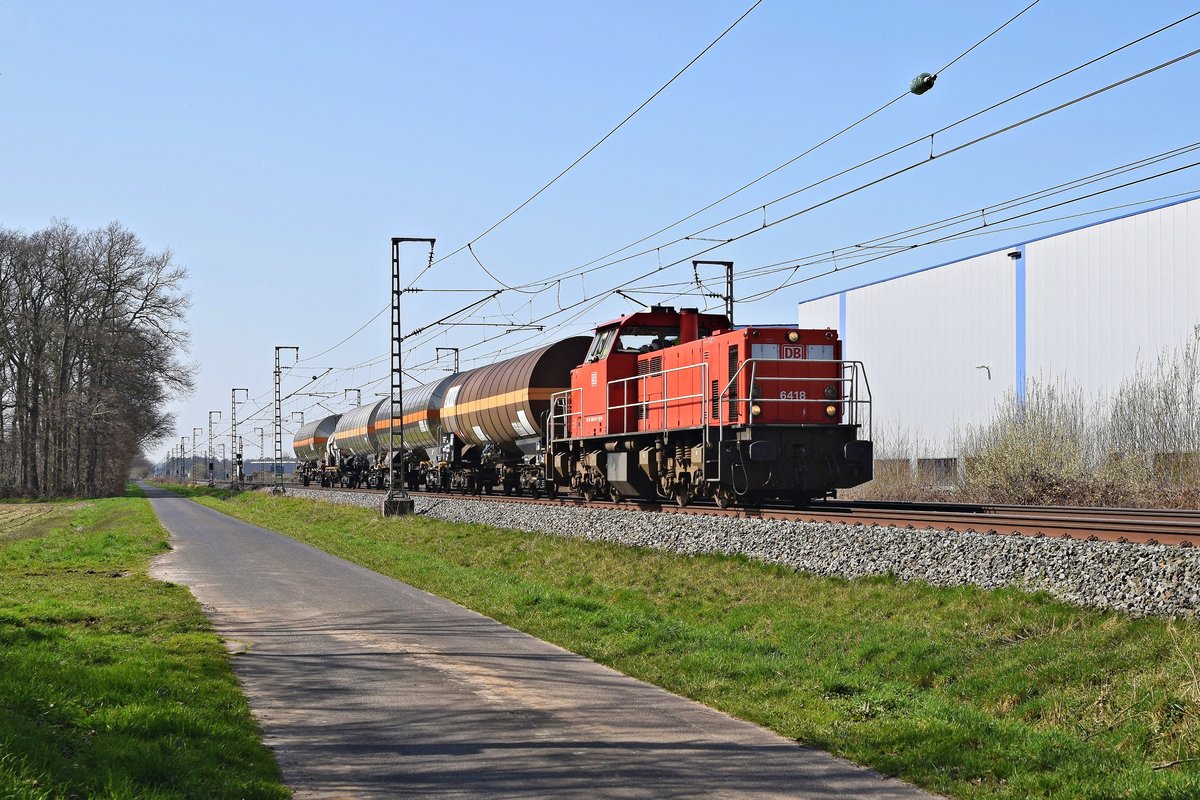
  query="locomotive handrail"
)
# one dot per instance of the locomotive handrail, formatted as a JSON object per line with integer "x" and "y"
{"x": 665, "y": 400}
{"x": 854, "y": 398}
{"x": 562, "y": 400}
{"x": 853, "y": 381}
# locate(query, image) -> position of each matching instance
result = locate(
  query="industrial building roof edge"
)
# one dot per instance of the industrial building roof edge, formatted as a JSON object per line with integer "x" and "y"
{"x": 998, "y": 249}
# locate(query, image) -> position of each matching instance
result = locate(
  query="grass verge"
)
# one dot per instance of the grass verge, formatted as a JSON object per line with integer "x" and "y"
{"x": 113, "y": 684}
{"x": 967, "y": 692}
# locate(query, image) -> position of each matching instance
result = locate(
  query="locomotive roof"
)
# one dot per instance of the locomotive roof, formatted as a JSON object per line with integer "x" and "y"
{"x": 667, "y": 315}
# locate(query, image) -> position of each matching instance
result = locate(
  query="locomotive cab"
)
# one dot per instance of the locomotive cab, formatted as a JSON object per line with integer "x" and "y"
{"x": 620, "y": 351}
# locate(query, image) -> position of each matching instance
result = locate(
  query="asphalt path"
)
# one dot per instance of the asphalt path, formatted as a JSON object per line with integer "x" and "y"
{"x": 367, "y": 687}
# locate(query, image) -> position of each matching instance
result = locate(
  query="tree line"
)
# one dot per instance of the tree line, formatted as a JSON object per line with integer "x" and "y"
{"x": 91, "y": 325}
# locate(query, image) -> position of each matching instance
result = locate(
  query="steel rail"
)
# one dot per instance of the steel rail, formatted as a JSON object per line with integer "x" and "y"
{"x": 1125, "y": 525}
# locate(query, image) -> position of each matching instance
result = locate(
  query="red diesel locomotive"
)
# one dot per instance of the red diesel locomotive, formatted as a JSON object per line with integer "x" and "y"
{"x": 680, "y": 405}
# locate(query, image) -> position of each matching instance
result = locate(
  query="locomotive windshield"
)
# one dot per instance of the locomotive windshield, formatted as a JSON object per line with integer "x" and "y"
{"x": 601, "y": 344}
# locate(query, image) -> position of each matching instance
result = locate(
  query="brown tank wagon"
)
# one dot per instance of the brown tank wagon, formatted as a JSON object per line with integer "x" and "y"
{"x": 505, "y": 404}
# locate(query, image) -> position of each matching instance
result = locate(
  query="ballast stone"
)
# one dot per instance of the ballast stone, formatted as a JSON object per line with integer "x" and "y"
{"x": 1139, "y": 579}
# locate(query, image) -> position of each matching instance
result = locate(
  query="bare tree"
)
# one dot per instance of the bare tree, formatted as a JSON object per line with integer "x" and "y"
{"x": 90, "y": 337}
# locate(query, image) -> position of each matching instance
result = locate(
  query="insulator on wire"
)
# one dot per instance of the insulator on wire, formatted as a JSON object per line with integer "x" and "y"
{"x": 922, "y": 83}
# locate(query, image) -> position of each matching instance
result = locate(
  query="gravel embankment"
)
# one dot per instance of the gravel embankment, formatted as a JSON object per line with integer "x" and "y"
{"x": 1137, "y": 579}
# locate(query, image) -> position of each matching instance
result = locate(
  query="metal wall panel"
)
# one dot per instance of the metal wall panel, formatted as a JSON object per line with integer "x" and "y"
{"x": 937, "y": 347}
{"x": 822, "y": 313}
{"x": 1105, "y": 298}
{"x": 1084, "y": 307}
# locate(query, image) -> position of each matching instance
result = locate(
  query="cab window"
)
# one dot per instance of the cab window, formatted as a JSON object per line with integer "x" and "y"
{"x": 646, "y": 338}
{"x": 601, "y": 344}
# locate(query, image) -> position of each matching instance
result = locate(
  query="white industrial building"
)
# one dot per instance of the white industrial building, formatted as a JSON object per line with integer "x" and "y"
{"x": 943, "y": 345}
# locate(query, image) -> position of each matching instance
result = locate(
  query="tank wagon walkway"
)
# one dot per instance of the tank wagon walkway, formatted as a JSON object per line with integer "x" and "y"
{"x": 367, "y": 687}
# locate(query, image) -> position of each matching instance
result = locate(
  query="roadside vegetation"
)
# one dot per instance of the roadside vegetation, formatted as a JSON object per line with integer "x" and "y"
{"x": 970, "y": 693}
{"x": 1138, "y": 448}
{"x": 113, "y": 684}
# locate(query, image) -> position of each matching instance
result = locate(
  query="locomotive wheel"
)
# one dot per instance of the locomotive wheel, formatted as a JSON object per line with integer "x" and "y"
{"x": 535, "y": 493}
{"x": 588, "y": 493}
{"x": 551, "y": 490}
{"x": 614, "y": 495}
{"x": 487, "y": 488}
{"x": 723, "y": 496}
{"x": 682, "y": 495}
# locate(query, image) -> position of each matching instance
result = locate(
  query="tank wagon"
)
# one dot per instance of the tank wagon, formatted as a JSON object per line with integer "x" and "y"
{"x": 475, "y": 431}
{"x": 311, "y": 445}
{"x": 679, "y": 405}
{"x": 355, "y": 445}
{"x": 662, "y": 404}
{"x": 492, "y": 420}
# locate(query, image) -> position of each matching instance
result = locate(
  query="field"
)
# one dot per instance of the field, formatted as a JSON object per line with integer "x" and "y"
{"x": 26, "y": 520}
{"x": 113, "y": 684}
{"x": 969, "y": 693}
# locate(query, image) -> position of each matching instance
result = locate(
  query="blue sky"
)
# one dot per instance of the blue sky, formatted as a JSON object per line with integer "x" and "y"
{"x": 276, "y": 147}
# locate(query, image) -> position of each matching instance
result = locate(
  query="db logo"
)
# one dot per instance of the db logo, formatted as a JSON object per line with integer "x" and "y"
{"x": 793, "y": 351}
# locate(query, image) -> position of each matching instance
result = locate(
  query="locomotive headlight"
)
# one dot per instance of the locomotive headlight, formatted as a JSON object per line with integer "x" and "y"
{"x": 793, "y": 336}
{"x": 831, "y": 410}
{"x": 830, "y": 392}
{"x": 755, "y": 409}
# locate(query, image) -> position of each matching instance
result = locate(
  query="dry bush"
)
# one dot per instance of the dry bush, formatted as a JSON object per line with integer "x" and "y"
{"x": 1139, "y": 448}
{"x": 1156, "y": 415}
{"x": 1043, "y": 449}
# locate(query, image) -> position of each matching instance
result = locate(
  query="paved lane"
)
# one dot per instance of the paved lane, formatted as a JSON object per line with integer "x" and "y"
{"x": 367, "y": 687}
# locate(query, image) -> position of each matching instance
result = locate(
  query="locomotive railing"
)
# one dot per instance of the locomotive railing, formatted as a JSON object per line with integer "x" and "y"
{"x": 743, "y": 391}
{"x": 565, "y": 406}
{"x": 562, "y": 411}
{"x": 853, "y": 398}
{"x": 642, "y": 382}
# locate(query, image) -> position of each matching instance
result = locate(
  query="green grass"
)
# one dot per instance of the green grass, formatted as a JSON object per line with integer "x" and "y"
{"x": 967, "y": 692}
{"x": 113, "y": 684}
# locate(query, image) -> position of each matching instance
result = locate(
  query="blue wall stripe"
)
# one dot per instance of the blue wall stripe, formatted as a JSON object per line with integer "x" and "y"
{"x": 1019, "y": 317}
{"x": 842, "y": 321}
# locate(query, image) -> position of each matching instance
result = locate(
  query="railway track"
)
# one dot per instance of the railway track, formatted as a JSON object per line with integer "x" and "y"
{"x": 1177, "y": 527}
